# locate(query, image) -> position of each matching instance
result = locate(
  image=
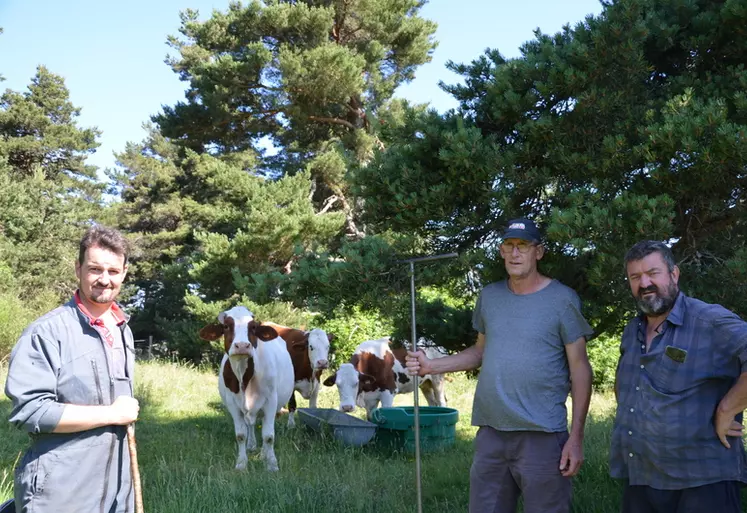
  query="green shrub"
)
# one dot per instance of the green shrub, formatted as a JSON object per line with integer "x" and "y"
{"x": 603, "y": 355}
{"x": 350, "y": 327}
{"x": 15, "y": 315}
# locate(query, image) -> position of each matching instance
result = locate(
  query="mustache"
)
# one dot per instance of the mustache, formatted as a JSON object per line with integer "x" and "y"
{"x": 650, "y": 288}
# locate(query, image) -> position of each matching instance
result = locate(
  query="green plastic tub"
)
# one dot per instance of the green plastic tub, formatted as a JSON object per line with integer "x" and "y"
{"x": 396, "y": 428}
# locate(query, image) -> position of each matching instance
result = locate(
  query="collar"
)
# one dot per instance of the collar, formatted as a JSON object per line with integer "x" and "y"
{"x": 116, "y": 311}
{"x": 677, "y": 314}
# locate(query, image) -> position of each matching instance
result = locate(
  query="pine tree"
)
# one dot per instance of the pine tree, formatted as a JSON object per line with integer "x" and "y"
{"x": 48, "y": 194}
{"x": 630, "y": 125}
{"x": 199, "y": 220}
{"x": 308, "y": 76}
{"x": 238, "y": 184}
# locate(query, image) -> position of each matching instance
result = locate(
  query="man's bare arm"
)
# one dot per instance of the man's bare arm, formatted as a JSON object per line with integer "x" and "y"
{"x": 469, "y": 359}
{"x": 733, "y": 403}
{"x": 581, "y": 377}
{"x": 76, "y": 418}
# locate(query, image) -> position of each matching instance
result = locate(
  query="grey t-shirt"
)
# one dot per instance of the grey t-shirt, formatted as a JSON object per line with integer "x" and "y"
{"x": 524, "y": 379}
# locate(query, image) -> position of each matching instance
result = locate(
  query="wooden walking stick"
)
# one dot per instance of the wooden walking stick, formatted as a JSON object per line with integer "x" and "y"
{"x": 134, "y": 468}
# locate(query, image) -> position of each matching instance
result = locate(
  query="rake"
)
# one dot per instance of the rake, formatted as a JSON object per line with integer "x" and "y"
{"x": 416, "y": 410}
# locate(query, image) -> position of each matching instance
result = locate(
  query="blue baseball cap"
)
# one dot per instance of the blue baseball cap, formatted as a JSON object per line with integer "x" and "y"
{"x": 523, "y": 229}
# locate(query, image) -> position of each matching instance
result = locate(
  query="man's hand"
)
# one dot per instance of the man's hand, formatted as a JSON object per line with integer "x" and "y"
{"x": 124, "y": 410}
{"x": 726, "y": 426}
{"x": 418, "y": 364}
{"x": 572, "y": 457}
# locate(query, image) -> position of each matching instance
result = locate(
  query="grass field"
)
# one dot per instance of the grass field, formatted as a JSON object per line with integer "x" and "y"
{"x": 187, "y": 453}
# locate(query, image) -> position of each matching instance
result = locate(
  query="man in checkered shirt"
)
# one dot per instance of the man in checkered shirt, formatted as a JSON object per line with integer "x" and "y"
{"x": 681, "y": 389}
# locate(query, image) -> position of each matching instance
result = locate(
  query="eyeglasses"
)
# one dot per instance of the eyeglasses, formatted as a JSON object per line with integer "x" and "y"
{"x": 523, "y": 247}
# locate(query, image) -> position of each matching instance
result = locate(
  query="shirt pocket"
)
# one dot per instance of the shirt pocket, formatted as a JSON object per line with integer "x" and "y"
{"x": 83, "y": 380}
{"x": 32, "y": 474}
{"x": 670, "y": 376}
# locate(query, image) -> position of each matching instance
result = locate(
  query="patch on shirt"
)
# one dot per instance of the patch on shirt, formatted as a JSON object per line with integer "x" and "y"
{"x": 676, "y": 354}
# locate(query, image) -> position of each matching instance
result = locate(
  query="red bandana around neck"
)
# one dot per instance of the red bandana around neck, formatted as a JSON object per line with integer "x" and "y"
{"x": 98, "y": 322}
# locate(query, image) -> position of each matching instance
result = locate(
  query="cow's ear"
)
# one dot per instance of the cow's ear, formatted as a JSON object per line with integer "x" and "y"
{"x": 266, "y": 333}
{"x": 367, "y": 382}
{"x": 330, "y": 337}
{"x": 211, "y": 332}
{"x": 330, "y": 380}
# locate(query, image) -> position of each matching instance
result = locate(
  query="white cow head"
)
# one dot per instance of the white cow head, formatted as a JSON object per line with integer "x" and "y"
{"x": 319, "y": 348}
{"x": 350, "y": 383}
{"x": 240, "y": 332}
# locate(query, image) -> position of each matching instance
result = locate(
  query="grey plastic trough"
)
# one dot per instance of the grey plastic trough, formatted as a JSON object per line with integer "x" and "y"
{"x": 347, "y": 429}
{"x": 7, "y": 507}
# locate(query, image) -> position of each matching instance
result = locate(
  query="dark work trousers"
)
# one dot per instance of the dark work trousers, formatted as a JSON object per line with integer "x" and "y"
{"x": 721, "y": 497}
{"x": 508, "y": 464}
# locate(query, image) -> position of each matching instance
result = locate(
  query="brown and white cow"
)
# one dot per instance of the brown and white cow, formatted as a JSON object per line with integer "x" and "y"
{"x": 432, "y": 385}
{"x": 376, "y": 373}
{"x": 256, "y": 376}
{"x": 309, "y": 351}
{"x": 369, "y": 378}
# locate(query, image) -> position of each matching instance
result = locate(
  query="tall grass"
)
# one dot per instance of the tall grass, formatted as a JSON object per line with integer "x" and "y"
{"x": 187, "y": 454}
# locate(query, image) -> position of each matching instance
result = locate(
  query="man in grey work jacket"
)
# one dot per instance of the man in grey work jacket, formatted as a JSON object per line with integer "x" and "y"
{"x": 681, "y": 389}
{"x": 531, "y": 350}
{"x": 71, "y": 383}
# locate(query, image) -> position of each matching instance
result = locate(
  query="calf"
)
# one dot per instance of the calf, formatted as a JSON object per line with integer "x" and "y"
{"x": 370, "y": 377}
{"x": 309, "y": 351}
{"x": 256, "y": 375}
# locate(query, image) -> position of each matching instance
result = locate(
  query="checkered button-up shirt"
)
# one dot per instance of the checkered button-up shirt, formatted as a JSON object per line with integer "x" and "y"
{"x": 663, "y": 435}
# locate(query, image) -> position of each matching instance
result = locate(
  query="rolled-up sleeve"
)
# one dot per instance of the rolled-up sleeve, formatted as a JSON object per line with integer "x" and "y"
{"x": 742, "y": 354}
{"x": 730, "y": 334}
{"x": 32, "y": 384}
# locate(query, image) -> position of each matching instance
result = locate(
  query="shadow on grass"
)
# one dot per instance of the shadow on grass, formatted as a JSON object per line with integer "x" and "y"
{"x": 317, "y": 473}
{"x": 190, "y": 460}
{"x": 187, "y": 464}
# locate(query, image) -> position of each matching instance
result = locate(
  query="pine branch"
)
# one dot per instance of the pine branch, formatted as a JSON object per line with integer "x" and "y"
{"x": 334, "y": 121}
{"x": 328, "y": 204}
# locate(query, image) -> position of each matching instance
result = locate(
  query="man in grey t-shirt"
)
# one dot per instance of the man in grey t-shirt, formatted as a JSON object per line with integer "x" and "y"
{"x": 531, "y": 350}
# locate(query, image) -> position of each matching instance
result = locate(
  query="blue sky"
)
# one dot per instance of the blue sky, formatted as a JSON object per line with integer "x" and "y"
{"x": 111, "y": 53}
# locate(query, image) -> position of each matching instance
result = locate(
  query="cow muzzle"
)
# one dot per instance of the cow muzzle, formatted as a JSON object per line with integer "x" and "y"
{"x": 322, "y": 365}
{"x": 347, "y": 408}
{"x": 241, "y": 349}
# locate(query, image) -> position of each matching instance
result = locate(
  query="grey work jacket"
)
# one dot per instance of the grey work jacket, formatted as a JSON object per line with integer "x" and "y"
{"x": 61, "y": 358}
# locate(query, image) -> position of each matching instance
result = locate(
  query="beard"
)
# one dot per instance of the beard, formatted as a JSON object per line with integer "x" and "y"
{"x": 659, "y": 303}
{"x": 103, "y": 296}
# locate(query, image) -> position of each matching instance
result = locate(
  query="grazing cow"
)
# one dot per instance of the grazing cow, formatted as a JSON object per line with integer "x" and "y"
{"x": 256, "y": 375}
{"x": 376, "y": 372}
{"x": 309, "y": 351}
{"x": 432, "y": 385}
{"x": 368, "y": 378}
